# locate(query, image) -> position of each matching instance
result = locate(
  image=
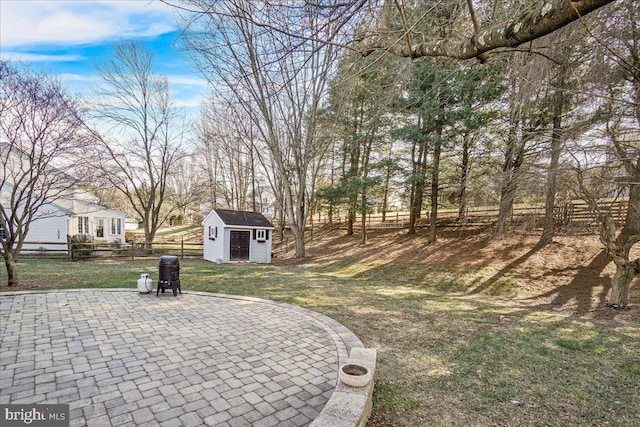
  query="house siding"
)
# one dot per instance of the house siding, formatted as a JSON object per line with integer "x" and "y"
{"x": 47, "y": 233}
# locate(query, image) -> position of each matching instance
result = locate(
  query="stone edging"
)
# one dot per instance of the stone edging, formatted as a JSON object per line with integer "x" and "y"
{"x": 350, "y": 406}
{"x": 347, "y": 406}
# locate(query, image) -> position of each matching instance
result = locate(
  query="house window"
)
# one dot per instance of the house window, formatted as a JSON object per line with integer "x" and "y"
{"x": 116, "y": 226}
{"x": 3, "y": 236}
{"x": 261, "y": 235}
{"x": 100, "y": 227}
{"x": 83, "y": 225}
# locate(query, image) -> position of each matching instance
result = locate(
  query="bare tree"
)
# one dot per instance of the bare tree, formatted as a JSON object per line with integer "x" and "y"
{"x": 40, "y": 134}
{"x": 226, "y": 140}
{"x": 137, "y": 152}
{"x": 208, "y": 160}
{"x": 366, "y": 26}
{"x": 278, "y": 81}
{"x": 186, "y": 189}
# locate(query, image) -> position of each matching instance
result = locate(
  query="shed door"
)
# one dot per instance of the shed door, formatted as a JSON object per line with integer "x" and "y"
{"x": 239, "y": 249}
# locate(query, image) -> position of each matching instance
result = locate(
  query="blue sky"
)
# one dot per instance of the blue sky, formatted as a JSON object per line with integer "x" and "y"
{"x": 68, "y": 38}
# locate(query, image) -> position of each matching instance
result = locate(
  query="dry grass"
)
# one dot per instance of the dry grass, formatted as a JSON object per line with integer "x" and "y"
{"x": 446, "y": 358}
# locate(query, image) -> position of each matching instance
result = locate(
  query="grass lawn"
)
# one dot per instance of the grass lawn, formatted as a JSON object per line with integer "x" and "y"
{"x": 444, "y": 358}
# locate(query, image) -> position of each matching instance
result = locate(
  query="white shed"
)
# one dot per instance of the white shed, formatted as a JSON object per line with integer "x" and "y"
{"x": 231, "y": 236}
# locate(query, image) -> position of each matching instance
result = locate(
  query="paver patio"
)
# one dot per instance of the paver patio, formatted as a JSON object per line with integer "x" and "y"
{"x": 120, "y": 358}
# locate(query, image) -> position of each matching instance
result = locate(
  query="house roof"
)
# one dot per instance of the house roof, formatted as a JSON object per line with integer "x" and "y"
{"x": 79, "y": 207}
{"x": 71, "y": 199}
{"x": 243, "y": 218}
{"x": 7, "y": 188}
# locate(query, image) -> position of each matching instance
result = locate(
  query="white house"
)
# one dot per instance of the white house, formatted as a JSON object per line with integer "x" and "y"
{"x": 75, "y": 212}
{"x": 231, "y": 236}
{"x": 104, "y": 225}
{"x": 68, "y": 211}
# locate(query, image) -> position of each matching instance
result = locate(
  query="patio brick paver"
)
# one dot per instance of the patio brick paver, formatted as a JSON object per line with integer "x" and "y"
{"x": 122, "y": 358}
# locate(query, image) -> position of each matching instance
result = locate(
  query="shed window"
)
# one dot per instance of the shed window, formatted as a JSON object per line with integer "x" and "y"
{"x": 261, "y": 235}
{"x": 213, "y": 232}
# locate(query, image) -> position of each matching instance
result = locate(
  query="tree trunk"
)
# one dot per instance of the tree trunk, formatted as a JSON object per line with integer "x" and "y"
{"x": 387, "y": 179}
{"x": 619, "y": 247}
{"x": 514, "y": 157}
{"x": 422, "y": 181}
{"x": 298, "y": 234}
{"x": 435, "y": 172}
{"x": 417, "y": 187}
{"x": 464, "y": 176}
{"x": 253, "y": 179}
{"x": 412, "y": 213}
{"x": 148, "y": 237}
{"x": 632, "y": 224}
{"x": 625, "y": 272}
{"x": 385, "y": 200}
{"x": 366, "y": 154}
{"x": 281, "y": 223}
{"x": 416, "y": 205}
{"x": 507, "y": 196}
{"x": 12, "y": 269}
{"x": 351, "y": 218}
{"x": 556, "y": 148}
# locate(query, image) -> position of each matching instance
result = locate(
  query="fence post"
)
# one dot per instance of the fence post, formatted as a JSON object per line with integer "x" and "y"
{"x": 182, "y": 248}
{"x": 69, "y": 248}
{"x": 133, "y": 246}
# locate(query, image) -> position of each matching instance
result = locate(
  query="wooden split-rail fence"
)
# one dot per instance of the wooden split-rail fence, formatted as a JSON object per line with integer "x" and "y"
{"x": 573, "y": 214}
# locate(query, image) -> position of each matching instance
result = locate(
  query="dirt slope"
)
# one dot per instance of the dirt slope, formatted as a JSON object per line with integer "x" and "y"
{"x": 571, "y": 274}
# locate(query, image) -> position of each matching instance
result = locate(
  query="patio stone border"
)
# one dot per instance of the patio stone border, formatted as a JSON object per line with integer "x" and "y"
{"x": 347, "y": 406}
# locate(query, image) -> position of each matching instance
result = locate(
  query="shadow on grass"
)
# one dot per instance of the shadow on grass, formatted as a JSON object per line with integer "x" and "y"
{"x": 489, "y": 283}
{"x": 582, "y": 286}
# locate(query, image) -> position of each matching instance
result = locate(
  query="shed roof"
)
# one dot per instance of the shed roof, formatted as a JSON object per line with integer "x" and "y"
{"x": 243, "y": 218}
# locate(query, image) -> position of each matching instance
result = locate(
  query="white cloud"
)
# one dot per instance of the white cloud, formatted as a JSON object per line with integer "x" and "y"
{"x": 69, "y": 77}
{"x": 27, "y": 23}
{"x": 186, "y": 81}
{"x": 193, "y": 102}
{"x": 37, "y": 57}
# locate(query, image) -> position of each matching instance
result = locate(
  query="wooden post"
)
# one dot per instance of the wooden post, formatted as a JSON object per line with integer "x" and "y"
{"x": 133, "y": 245}
{"x": 182, "y": 248}
{"x": 69, "y": 247}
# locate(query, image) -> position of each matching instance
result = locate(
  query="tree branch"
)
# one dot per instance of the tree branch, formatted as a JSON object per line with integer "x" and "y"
{"x": 542, "y": 17}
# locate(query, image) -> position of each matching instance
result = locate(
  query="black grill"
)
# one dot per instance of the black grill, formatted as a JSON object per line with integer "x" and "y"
{"x": 169, "y": 274}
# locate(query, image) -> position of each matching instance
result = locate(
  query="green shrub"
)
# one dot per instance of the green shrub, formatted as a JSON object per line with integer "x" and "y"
{"x": 82, "y": 246}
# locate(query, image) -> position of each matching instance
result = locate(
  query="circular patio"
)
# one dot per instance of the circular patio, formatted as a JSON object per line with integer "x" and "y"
{"x": 122, "y": 358}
